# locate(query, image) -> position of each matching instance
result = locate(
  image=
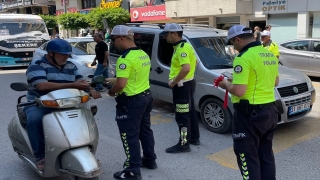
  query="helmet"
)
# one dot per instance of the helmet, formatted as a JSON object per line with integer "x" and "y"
{"x": 59, "y": 46}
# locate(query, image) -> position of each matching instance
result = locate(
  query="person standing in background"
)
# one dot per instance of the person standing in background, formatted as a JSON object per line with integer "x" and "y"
{"x": 257, "y": 33}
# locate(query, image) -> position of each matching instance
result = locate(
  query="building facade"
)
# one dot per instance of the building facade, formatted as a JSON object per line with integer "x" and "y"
{"x": 28, "y": 6}
{"x": 84, "y": 6}
{"x": 290, "y": 19}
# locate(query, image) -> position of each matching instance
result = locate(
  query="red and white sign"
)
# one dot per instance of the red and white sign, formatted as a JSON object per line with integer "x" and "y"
{"x": 69, "y": 10}
{"x": 62, "y": 2}
{"x": 148, "y": 13}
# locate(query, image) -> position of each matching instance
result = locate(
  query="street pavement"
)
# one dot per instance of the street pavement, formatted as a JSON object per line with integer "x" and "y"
{"x": 296, "y": 144}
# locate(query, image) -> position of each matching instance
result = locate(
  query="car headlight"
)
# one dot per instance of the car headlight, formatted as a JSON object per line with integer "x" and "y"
{"x": 87, "y": 64}
{"x": 309, "y": 82}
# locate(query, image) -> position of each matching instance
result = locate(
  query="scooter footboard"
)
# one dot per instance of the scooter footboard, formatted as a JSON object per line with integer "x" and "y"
{"x": 80, "y": 162}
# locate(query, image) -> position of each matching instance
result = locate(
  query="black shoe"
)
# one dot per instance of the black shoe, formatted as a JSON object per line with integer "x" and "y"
{"x": 126, "y": 175}
{"x": 195, "y": 142}
{"x": 178, "y": 148}
{"x": 150, "y": 164}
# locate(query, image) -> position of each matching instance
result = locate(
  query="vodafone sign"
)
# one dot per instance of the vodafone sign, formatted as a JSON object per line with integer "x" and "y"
{"x": 148, "y": 13}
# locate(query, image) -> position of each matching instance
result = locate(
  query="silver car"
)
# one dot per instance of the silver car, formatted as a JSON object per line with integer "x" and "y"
{"x": 83, "y": 49}
{"x": 295, "y": 93}
{"x": 302, "y": 55}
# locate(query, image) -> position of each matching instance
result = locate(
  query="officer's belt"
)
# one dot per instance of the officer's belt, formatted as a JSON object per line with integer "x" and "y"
{"x": 238, "y": 107}
{"x": 186, "y": 80}
{"x": 134, "y": 96}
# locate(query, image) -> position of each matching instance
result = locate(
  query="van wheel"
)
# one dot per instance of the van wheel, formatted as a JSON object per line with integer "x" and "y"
{"x": 71, "y": 177}
{"x": 215, "y": 117}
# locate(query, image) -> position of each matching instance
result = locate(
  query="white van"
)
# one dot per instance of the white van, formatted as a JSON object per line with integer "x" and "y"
{"x": 295, "y": 91}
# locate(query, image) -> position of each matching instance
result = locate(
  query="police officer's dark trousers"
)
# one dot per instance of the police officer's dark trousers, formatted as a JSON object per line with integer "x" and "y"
{"x": 186, "y": 115}
{"x": 252, "y": 136}
{"x": 133, "y": 119}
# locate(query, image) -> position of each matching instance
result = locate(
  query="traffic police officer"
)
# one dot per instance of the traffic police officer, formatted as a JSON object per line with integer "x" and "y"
{"x": 134, "y": 104}
{"x": 255, "y": 117}
{"x": 268, "y": 44}
{"x": 181, "y": 80}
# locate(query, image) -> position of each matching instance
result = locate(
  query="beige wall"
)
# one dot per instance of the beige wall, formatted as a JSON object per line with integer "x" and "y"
{"x": 190, "y": 8}
{"x": 72, "y": 3}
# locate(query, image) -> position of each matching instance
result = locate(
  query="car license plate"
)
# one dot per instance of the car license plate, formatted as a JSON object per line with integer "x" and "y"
{"x": 299, "y": 108}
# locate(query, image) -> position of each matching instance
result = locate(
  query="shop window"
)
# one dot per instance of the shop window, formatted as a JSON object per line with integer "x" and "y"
{"x": 297, "y": 45}
{"x": 86, "y": 4}
{"x": 165, "y": 51}
{"x": 316, "y": 46}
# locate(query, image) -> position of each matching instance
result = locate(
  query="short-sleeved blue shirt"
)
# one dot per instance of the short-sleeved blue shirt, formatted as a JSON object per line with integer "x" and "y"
{"x": 43, "y": 71}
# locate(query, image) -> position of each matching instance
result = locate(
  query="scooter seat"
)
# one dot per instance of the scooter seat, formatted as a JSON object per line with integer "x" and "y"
{"x": 22, "y": 116}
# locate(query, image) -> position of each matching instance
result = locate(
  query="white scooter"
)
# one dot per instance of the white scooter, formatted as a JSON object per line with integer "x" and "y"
{"x": 70, "y": 131}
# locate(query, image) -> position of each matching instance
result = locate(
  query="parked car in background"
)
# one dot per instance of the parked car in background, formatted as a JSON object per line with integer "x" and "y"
{"x": 302, "y": 55}
{"x": 82, "y": 57}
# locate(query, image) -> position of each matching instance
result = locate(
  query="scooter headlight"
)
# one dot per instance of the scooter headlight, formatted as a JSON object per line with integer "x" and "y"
{"x": 66, "y": 103}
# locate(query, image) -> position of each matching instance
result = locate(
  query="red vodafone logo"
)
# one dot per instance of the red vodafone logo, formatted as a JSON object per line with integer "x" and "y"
{"x": 135, "y": 14}
{"x": 148, "y": 13}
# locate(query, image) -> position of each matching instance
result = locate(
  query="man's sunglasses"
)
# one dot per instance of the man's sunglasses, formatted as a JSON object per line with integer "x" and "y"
{"x": 114, "y": 39}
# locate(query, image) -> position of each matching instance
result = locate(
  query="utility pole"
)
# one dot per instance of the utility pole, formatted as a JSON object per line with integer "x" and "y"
{"x": 65, "y": 12}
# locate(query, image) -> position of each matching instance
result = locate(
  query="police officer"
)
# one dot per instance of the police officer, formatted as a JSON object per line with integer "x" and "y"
{"x": 268, "y": 44}
{"x": 134, "y": 104}
{"x": 255, "y": 117}
{"x": 181, "y": 80}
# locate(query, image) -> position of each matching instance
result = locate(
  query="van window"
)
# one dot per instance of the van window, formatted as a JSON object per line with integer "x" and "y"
{"x": 145, "y": 42}
{"x": 165, "y": 51}
{"x": 142, "y": 40}
{"x": 212, "y": 52}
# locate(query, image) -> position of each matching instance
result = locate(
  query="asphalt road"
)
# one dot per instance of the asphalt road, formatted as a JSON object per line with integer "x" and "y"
{"x": 296, "y": 144}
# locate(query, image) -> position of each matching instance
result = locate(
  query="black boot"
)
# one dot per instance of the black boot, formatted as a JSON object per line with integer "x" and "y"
{"x": 127, "y": 175}
{"x": 150, "y": 164}
{"x": 195, "y": 142}
{"x": 178, "y": 148}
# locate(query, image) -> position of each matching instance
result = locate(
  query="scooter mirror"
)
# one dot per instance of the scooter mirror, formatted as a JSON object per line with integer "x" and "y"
{"x": 98, "y": 79}
{"x": 19, "y": 86}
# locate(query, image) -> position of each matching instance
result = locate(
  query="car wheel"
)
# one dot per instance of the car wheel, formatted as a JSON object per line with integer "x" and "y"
{"x": 215, "y": 117}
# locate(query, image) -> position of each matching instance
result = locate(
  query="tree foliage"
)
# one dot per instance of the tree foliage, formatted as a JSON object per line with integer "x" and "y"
{"x": 73, "y": 21}
{"x": 51, "y": 21}
{"x": 114, "y": 16}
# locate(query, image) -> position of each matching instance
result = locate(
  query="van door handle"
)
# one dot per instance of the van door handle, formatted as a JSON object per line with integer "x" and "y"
{"x": 159, "y": 70}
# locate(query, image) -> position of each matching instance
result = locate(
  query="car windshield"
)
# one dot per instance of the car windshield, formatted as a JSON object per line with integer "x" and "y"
{"x": 15, "y": 28}
{"x": 83, "y": 48}
{"x": 212, "y": 52}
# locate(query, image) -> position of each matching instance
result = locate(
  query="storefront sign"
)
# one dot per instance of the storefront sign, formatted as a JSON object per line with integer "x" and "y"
{"x": 110, "y": 4}
{"x": 148, "y": 13}
{"x": 275, "y": 6}
{"x": 69, "y": 10}
{"x": 84, "y": 11}
{"x": 14, "y": 4}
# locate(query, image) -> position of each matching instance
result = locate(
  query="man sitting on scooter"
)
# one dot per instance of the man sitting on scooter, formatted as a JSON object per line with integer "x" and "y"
{"x": 52, "y": 72}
